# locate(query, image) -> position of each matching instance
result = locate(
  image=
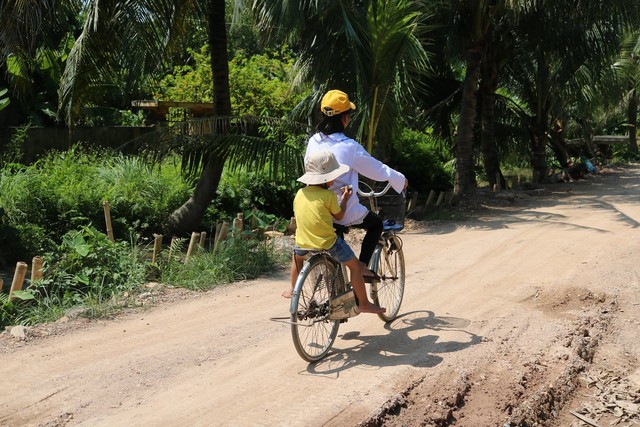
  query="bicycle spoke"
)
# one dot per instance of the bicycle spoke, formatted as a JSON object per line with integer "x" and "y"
{"x": 313, "y": 334}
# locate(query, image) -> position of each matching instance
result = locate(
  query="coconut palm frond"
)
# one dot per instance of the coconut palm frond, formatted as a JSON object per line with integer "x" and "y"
{"x": 255, "y": 142}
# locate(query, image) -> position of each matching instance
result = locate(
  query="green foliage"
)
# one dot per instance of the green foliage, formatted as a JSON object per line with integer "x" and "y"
{"x": 87, "y": 262}
{"x": 4, "y": 100}
{"x": 235, "y": 259}
{"x": 13, "y": 153}
{"x": 258, "y": 83}
{"x": 37, "y": 79}
{"x": 242, "y": 190}
{"x": 7, "y": 310}
{"x": 422, "y": 158}
{"x": 107, "y": 116}
{"x": 86, "y": 269}
{"x": 66, "y": 191}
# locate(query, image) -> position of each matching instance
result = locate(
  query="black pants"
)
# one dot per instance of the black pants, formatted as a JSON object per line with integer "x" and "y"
{"x": 373, "y": 224}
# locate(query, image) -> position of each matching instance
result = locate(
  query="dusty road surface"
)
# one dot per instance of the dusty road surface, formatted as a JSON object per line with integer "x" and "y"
{"x": 525, "y": 314}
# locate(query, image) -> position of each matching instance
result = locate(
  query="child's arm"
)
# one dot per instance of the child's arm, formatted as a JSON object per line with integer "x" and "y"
{"x": 347, "y": 191}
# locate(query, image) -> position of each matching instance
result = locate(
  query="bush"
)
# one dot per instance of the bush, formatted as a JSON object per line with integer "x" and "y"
{"x": 65, "y": 191}
{"x": 85, "y": 269}
{"x": 242, "y": 190}
{"x": 421, "y": 158}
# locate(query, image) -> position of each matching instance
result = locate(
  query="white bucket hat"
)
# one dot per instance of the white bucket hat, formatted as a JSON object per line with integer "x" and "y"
{"x": 321, "y": 167}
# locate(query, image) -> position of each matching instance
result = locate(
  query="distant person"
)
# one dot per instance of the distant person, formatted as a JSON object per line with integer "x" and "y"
{"x": 314, "y": 208}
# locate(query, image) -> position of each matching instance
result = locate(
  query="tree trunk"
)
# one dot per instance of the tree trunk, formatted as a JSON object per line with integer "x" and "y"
{"x": 465, "y": 181}
{"x": 487, "y": 136}
{"x": 559, "y": 145}
{"x": 188, "y": 216}
{"x": 632, "y": 113}
{"x": 539, "y": 155}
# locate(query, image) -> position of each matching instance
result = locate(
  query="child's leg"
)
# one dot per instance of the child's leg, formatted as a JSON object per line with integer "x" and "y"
{"x": 296, "y": 266}
{"x": 357, "y": 281}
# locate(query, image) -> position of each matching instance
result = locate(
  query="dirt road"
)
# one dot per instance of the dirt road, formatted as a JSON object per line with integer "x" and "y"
{"x": 525, "y": 314}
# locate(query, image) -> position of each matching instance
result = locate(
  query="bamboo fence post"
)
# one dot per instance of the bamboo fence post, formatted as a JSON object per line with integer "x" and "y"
{"x": 36, "y": 268}
{"x": 18, "y": 278}
{"x": 448, "y": 197}
{"x": 291, "y": 228}
{"x": 203, "y": 239}
{"x": 107, "y": 219}
{"x": 157, "y": 247}
{"x": 431, "y": 198}
{"x": 238, "y": 224}
{"x": 217, "y": 236}
{"x": 224, "y": 230}
{"x": 254, "y": 220}
{"x": 412, "y": 202}
{"x": 171, "y": 245}
{"x": 195, "y": 238}
{"x": 440, "y": 199}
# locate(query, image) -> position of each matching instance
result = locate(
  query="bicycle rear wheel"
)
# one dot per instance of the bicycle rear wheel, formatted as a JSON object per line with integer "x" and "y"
{"x": 389, "y": 290}
{"x": 312, "y": 331}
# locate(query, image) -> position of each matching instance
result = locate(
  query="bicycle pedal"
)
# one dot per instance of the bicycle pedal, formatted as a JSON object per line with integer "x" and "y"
{"x": 371, "y": 279}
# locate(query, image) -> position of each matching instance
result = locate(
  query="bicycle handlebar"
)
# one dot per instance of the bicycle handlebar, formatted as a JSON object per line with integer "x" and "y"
{"x": 373, "y": 193}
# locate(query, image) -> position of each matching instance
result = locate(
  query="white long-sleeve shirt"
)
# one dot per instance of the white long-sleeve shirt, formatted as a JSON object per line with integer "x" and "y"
{"x": 351, "y": 153}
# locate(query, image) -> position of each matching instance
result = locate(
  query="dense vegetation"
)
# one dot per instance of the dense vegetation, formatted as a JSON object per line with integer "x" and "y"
{"x": 451, "y": 92}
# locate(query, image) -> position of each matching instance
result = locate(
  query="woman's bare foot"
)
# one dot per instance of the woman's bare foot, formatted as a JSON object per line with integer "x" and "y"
{"x": 371, "y": 308}
{"x": 288, "y": 293}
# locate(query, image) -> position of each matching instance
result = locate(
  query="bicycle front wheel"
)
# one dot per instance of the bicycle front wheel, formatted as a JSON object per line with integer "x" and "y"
{"x": 389, "y": 290}
{"x": 312, "y": 331}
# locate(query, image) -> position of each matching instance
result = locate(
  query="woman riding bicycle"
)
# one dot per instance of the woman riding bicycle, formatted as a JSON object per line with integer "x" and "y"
{"x": 336, "y": 115}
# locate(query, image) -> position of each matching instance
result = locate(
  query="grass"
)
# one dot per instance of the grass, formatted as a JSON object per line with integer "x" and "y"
{"x": 235, "y": 259}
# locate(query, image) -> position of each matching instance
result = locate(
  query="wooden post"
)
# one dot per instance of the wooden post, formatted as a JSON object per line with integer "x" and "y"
{"x": 157, "y": 247}
{"x": 440, "y": 199}
{"x": 107, "y": 219}
{"x": 413, "y": 202}
{"x": 254, "y": 220}
{"x": 498, "y": 182}
{"x": 224, "y": 230}
{"x": 448, "y": 197}
{"x": 195, "y": 238}
{"x": 431, "y": 198}
{"x": 18, "y": 278}
{"x": 203, "y": 238}
{"x": 291, "y": 228}
{"x": 36, "y": 268}
{"x": 217, "y": 236}
{"x": 238, "y": 224}
{"x": 171, "y": 245}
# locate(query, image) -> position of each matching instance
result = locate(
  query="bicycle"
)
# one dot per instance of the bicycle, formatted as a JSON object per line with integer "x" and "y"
{"x": 323, "y": 298}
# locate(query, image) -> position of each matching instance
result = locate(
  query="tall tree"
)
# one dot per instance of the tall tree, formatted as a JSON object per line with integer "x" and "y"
{"x": 554, "y": 40}
{"x": 627, "y": 68}
{"x": 372, "y": 50}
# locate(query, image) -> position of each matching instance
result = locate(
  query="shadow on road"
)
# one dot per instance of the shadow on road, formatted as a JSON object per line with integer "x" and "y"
{"x": 403, "y": 344}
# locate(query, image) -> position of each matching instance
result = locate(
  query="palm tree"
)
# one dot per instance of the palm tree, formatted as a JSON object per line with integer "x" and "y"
{"x": 371, "y": 49}
{"x": 33, "y": 45}
{"x": 554, "y": 40}
{"x": 123, "y": 41}
{"x": 627, "y": 68}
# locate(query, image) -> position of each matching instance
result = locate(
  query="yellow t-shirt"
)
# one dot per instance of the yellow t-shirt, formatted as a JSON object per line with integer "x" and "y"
{"x": 312, "y": 208}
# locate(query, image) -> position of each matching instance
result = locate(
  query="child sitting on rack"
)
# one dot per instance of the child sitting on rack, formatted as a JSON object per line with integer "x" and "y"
{"x": 314, "y": 208}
